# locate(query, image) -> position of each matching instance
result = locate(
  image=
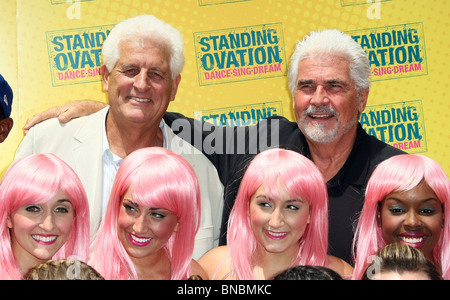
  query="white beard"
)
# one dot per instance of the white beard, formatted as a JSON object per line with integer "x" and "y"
{"x": 317, "y": 132}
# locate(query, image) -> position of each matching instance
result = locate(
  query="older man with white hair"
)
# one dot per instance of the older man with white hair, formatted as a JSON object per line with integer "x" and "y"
{"x": 143, "y": 58}
{"x": 329, "y": 80}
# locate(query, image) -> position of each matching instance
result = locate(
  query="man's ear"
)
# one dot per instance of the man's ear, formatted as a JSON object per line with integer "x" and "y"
{"x": 363, "y": 96}
{"x": 5, "y": 127}
{"x": 105, "y": 77}
{"x": 175, "y": 85}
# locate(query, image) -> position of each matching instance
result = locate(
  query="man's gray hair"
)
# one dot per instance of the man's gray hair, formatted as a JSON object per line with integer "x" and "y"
{"x": 335, "y": 43}
{"x": 145, "y": 26}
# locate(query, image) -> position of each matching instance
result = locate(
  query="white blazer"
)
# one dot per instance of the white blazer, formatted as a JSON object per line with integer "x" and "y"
{"x": 79, "y": 144}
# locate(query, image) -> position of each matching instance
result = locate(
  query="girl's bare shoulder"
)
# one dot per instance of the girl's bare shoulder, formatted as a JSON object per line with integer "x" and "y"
{"x": 216, "y": 262}
{"x": 340, "y": 266}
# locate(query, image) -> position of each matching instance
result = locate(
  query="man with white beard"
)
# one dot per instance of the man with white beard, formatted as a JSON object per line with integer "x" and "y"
{"x": 329, "y": 80}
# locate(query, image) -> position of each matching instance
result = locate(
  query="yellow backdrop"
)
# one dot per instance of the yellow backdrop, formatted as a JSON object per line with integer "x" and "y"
{"x": 237, "y": 53}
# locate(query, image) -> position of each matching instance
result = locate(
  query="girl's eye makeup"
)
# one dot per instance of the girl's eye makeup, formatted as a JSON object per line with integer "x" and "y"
{"x": 157, "y": 215}
{"x": 62, "y": 209}
{"x": 264, "y": 204}
{"x": 396, "y": 210}
{"x": 33, "y": 208}
{"x": 427, "y": 211}
{"x": 129, "y": 208}
{"x": 292, "y": 207}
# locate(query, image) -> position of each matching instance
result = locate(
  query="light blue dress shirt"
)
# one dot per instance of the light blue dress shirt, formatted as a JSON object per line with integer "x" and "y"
{"x": 111, "y": 163}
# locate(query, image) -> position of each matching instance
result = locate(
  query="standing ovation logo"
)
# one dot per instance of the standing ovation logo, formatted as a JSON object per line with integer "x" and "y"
{"x": 75, "y": 54}
{"x": 394, "y": 51}
{"x": 242, "y": 115}
{"x": 240, "y": 54}
{"x": 401, "y": 125}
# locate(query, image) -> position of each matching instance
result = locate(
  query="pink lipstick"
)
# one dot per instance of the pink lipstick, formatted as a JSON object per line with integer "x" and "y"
{"x": 44, "y": 239}
{"x": 139, "y": 241}
{"x": 414, "y": 239}
{"x": 275, "y": 235}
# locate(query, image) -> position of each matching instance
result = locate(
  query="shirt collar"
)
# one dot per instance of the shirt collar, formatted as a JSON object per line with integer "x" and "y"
{"x": 355, "y": 169}
{"x": 105, "y": 143}
{"x": 163, "y": 127}
{"x": 356, "y": 166}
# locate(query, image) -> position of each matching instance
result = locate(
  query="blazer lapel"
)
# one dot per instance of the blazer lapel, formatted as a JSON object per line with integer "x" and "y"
{"x": 88, "y": 156}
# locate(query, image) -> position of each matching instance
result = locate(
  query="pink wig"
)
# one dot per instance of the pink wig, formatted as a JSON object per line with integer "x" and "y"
{"x": 34, "y": 180}
{"x": 397, "y": 174}
{"x": 159, "y": 178}
{"x": 302, "y": 180}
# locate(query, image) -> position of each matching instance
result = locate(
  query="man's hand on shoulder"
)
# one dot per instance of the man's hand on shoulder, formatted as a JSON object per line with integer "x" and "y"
{"x": 65, "y": 112}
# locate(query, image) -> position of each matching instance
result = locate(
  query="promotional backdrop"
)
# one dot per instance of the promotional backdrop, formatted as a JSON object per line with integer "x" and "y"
{"x": 237, "y": 55}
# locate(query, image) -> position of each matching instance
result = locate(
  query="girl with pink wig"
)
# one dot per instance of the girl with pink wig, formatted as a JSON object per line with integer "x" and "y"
{"x": 279, "y": 220}
{"x": 44, "y": 214}
{"x": 151, "y": 221}
{"x": 407, "y": 201}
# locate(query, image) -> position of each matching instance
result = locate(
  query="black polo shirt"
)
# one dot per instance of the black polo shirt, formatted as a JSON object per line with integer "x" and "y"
{"x": 234, "y": 148}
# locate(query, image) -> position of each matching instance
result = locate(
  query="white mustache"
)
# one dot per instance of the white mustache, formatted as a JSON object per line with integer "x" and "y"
{"x": 320, "y": 109}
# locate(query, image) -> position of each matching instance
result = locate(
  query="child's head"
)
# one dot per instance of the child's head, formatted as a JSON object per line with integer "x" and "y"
{"x": 63, "y": 269}
{"x": 400, "y": 261}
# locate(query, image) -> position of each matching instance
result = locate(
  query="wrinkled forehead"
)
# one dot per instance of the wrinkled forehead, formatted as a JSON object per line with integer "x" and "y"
{"x": 319, "y": 70}
{"x": 340, "y": 64}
